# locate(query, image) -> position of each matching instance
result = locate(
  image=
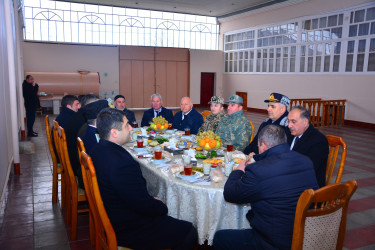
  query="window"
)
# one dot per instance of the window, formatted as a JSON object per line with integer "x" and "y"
{"x": 55, "y": 21}
{"x": 337, "y": 42}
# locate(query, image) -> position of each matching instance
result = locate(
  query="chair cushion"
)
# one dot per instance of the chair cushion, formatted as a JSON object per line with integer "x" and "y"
{"x": 321, "y": 232}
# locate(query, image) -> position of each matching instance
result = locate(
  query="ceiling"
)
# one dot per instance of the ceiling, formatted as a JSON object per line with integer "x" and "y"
{"x": 215, "y": 8}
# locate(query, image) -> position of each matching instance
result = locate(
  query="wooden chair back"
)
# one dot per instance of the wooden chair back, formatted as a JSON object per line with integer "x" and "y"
{"x": 320, "y": 218}
{"x": 72, "y": 182}
{"x": 335, "y": 143}
{"x": 54, "y": 161}
{"x": 252, "y": 131}
{"x": 74, "y": 195}
{"x": 81, "y": 147}
{"x": 300, "y": 101}
{"x": 57, "y": 142}
{"x": 205, "y": 113}
{"x": 105, "y": 235}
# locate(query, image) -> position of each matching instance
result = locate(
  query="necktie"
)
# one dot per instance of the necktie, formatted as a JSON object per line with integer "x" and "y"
{"x": 295, "y": 141}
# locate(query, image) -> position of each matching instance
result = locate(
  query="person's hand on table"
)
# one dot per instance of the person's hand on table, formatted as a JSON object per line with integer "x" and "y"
{"x": 251, "y": 155}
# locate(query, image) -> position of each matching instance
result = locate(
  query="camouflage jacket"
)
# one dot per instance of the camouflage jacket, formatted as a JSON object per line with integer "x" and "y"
{"x": 211, "y": 122}
{"x": 235, "y": 128}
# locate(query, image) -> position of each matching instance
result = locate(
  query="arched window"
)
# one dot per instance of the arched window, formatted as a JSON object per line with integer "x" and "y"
{"x": 168, "y": 26}
{"x": 91, "y": 19}
{"x": 132, "y": 22}
{"x": 47, "y": 15}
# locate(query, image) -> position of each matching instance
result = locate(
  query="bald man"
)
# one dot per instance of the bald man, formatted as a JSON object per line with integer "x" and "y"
{"x": 188, "y": 117}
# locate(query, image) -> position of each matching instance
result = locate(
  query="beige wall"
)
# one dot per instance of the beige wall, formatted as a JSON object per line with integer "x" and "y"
{"x": 209, "y": 61}
{"x": 358, "y": 89}
{"x": 70, "y": 58}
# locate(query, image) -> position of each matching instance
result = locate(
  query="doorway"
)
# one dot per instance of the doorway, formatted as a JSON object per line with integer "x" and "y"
{"x": 207, "y": 88}
{"x": 244, "y": 97}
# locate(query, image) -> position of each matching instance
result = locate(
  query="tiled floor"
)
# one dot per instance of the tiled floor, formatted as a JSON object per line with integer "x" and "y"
{"x": 31, "y": 221}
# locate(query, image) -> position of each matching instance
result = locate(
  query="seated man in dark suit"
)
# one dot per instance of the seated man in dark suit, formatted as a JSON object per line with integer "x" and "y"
{"x": 120, "y": 103}
{"x": 277, "y": 114}
{"x": 69, "y": 105}
{"x": 156, "y": 110}
{"x": 309, "y": 141}
{"x": 272, "y": 186}
{"x": 140, "y": 221}
{"x": 91, "y": 137}
{"x": 188, "y": 117}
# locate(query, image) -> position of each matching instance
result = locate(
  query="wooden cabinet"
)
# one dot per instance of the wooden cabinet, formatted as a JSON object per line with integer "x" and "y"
{"x": 148, "y": 70}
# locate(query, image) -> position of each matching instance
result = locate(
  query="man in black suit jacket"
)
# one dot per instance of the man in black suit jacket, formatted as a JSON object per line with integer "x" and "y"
{"x": 156, "y": 110}
{"x": 188, "y": 117}
{"x": 309, "y": 141}
{"x": 140, "y": 221}
{"x": 120, "y": 103}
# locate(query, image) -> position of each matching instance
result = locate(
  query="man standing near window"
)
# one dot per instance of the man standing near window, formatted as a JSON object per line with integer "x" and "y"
{"x": 30, "y": 95}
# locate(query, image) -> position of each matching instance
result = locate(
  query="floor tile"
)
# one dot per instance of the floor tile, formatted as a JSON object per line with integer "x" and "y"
{"x": 17, "y": 231}
{"x": 20, "y": 243}
{"x": 50, "y": 239}
{"x": 47, "y": 226}
{"x": 65, "y": 246}
{"x": 47, "y": 215}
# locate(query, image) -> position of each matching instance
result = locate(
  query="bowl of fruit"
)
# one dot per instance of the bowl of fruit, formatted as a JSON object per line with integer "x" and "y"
{"x": 209, "y": 141}
{"x": 159, "y": 124}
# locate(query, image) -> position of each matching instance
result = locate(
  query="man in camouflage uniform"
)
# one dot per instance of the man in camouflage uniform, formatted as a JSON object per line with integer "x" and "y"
{"x": 278, "y": 115}
{"x": 234, "y": 127}
{"x": 217, "y": 112}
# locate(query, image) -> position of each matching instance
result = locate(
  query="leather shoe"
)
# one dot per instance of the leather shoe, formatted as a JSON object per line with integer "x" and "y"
{"x": 32, "y": 135}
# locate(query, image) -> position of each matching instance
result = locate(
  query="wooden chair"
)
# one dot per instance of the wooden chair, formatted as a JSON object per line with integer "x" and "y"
{"x": 252, "y": 131}
{"x": 105, "y": 235}
{"x": 81, "y": 148}
{"x": 73, "y": 193}
{"x": 205, "y": 114}
{"x": 335, "y": 142}
{"x": 322, "y": 226}
{"x": 60, "y": 170}
{"x": 56, "y": 167}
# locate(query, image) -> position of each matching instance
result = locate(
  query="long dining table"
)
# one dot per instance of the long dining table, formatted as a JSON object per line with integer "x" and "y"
{"x": 201, "y": 203}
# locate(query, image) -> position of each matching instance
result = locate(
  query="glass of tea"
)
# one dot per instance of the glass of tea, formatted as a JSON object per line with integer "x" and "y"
{"x": 187, "y": 131}
{"x": 230, "y": 147}
{"x": 158, "y": 153}
{"x": 139, "y": 142}
{"x": 170, "y": 126}
{"x": 188, "y": 169}
{"x": 135, "y": 124}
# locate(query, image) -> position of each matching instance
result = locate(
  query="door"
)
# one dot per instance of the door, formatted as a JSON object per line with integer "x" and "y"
{"x": 244, "y": 97}
{"x": 207, "y": 88}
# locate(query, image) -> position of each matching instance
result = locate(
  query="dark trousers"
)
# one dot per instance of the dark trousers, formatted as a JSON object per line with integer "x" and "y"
{"x": 236, "y": 239}
{"x": 30, "y": 118}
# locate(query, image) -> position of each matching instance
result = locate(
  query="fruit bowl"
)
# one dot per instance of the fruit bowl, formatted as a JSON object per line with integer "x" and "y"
{"x": 209, "y": 141}
{"x": 159, "y": 124}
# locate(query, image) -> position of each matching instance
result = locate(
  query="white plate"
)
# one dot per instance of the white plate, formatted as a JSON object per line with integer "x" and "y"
{"x": 171, "y": 131}
{"x": 162, "y": 161}
{"x": 138, "y": 150}
{"x": 193, "y": 177}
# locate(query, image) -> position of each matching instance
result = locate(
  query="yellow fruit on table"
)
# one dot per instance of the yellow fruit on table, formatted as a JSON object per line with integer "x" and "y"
{"x": 207, "y": 146}
{"x": 198, "y": 149}
{"x": 162, "y": 127}
{"x": 153, "y": 125}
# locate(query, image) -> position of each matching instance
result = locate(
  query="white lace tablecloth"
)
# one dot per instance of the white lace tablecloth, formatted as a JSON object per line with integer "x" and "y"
{"x": 202, "y": 205}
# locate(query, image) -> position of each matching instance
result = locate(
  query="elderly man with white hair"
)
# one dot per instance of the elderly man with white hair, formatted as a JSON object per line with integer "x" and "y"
{"x": 188, "y": 117}
{"x": 156, "y": 110}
